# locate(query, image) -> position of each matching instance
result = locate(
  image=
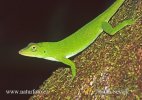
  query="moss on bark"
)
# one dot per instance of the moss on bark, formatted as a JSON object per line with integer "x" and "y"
{"x": 110, "y": 69}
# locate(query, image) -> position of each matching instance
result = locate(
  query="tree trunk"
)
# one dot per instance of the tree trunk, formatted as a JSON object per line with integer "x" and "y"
{"x": 109, "y": 69}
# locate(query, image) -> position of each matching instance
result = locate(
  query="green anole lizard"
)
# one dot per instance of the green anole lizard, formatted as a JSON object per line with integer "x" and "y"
{"x": 62, "y": 50}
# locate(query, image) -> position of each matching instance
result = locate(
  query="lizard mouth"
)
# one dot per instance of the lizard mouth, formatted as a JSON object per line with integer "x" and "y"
{"x": 24, "y": 53}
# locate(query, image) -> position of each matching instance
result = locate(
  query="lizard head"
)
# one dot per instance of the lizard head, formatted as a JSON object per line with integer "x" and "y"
{"x": 32, "y": 50}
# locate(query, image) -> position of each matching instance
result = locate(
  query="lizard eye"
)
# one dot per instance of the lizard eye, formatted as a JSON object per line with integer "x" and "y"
{"x": 33, "y": 48}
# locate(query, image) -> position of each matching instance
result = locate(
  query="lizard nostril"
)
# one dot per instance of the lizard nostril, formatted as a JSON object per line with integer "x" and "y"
{"x": 20, "y": 51}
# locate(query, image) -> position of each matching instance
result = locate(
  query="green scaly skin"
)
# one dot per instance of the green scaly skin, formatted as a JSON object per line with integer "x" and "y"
{"x": 62, "y": 50}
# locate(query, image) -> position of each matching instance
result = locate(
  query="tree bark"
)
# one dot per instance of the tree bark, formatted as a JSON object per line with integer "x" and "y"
{"x": 109, "y": 69}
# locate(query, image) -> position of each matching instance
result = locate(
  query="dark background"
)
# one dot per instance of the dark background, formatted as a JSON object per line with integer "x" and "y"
{"x": 25, "y": 21}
